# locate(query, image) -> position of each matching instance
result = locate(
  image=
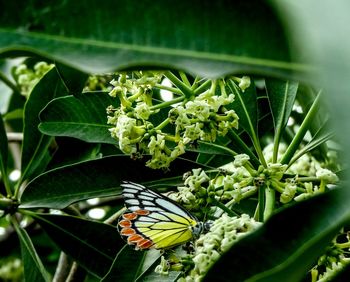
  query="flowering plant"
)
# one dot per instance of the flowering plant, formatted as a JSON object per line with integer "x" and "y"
{"x": 244, "y": 141}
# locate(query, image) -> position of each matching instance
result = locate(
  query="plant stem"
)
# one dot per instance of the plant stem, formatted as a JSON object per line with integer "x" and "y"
{"x": 195, "y": 83}
{"x": 184, "y": 78}
{"x": 162, "y": 124}
{"x": 223, "y": 207}
{"x": 169, "y": 88}
{"x": 202, "y": 87}
{"x": 304, "y": 127}
{"x": 261, "y": 205}
{"x": 187, "y": 91}
{"x": 167, "y": 103}
{"x": 239, "y": 142}
{"x": 270, "y": 197}
{"x": 9, "y": 83}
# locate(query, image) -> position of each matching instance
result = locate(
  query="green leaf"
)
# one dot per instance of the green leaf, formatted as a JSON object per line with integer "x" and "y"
{"x": 73, "y": 79}
{"x": 321, "y": 136}
{"x": 83, "y": 117}
{"x": 92, "y": 244}
{"x": 35, "y": 145}
{"x": 126, "y": 265}
{"x": 106, "y": 38}
{"x": 298, "y": 138}
{"x": 281, "y": 95}
{"x": 33, "y": 267}
{"x": 288, "y": 244}
{"x": 3, "y": 150}
{"x": 245, "y": 105}
{"x": 7, "y": 86}
{"x": 70, "y": 151}
{"x": 63, "y": 186}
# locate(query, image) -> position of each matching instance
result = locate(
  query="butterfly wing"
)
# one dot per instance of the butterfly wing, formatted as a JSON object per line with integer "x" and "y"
{"x": 153, "y": 220}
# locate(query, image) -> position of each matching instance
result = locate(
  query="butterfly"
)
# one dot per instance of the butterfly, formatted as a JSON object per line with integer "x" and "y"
{"x": 154, "y": 221}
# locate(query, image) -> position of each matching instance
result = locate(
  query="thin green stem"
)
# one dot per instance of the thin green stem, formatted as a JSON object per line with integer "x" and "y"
{"x": 202, "y": 87}
{"x": 7, "y": 183}
{"x": 9, "y": 83}
{"x": 187, "y": 91}
{"x": 167, "y": 103}
{"x": 195, "y": 83}
{"x": 184, "y": 78}
{"x": 243, "y": 196}
{"x": 308, "y": 179}
{"x": 169, "y": 88}
{"x": 162, "y": 124}
{"x": 221, "y": 148}
{"x": 258, "y": 150}
{"x": 244, "y": 148}
{"x": 304, "y": 127}
{"x": 223, "y": 207}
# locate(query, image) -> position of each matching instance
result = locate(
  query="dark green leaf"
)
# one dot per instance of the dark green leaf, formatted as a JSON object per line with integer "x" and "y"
{"x": 126, "y": 265}
{"x": 35, "y": 145}
{"x": 33, "y": 267}
{"x": 244, "y": 36}
{"x": 3, "y": 149}
{"x": 245, "y": 105}
{"x": 304, "y": 127}
{"x": 323, "y": 135}
{"x": 92, "y": 244}
{"x": 63, "y": 186}
{"x": 73, "y": 79}
{"x": 281, "y": 95}
{"x": 70, "y": 151}
{"x": 83, "y": 117}
{"x": 288, "y": 244}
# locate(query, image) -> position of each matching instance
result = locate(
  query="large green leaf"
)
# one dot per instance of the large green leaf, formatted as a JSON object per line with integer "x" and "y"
{"x": 73, "y": 79}
{"x": 126, "y": 265}
{"x": 288, "y": 244}
{"x": 209, "y": 38}
{"x": 33, "y": 267}
{"x": 92, "y": 244}
{"x": 35, "y": 145}
{"x": 63, "y": 186}
{"x": 83, "y": 117}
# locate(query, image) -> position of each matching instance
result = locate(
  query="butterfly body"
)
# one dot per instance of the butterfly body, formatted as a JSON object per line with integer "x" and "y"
{"x": 154, "y": 221}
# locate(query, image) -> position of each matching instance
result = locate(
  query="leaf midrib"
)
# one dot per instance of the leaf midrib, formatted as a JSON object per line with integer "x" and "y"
{"x": 165, "y": 51}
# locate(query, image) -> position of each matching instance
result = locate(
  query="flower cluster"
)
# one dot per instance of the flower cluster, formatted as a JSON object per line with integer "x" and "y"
{"x": 296, "y": 188}
{"x": 200, "y": 118}
{"x": 193, "y": 195}
{"x": 11, "y": 269}
{"x": 224, "y": 232}
{"x": 27, "y": 77}
{"x": 191, "y": 117}
{"x": 335, "y": 259}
